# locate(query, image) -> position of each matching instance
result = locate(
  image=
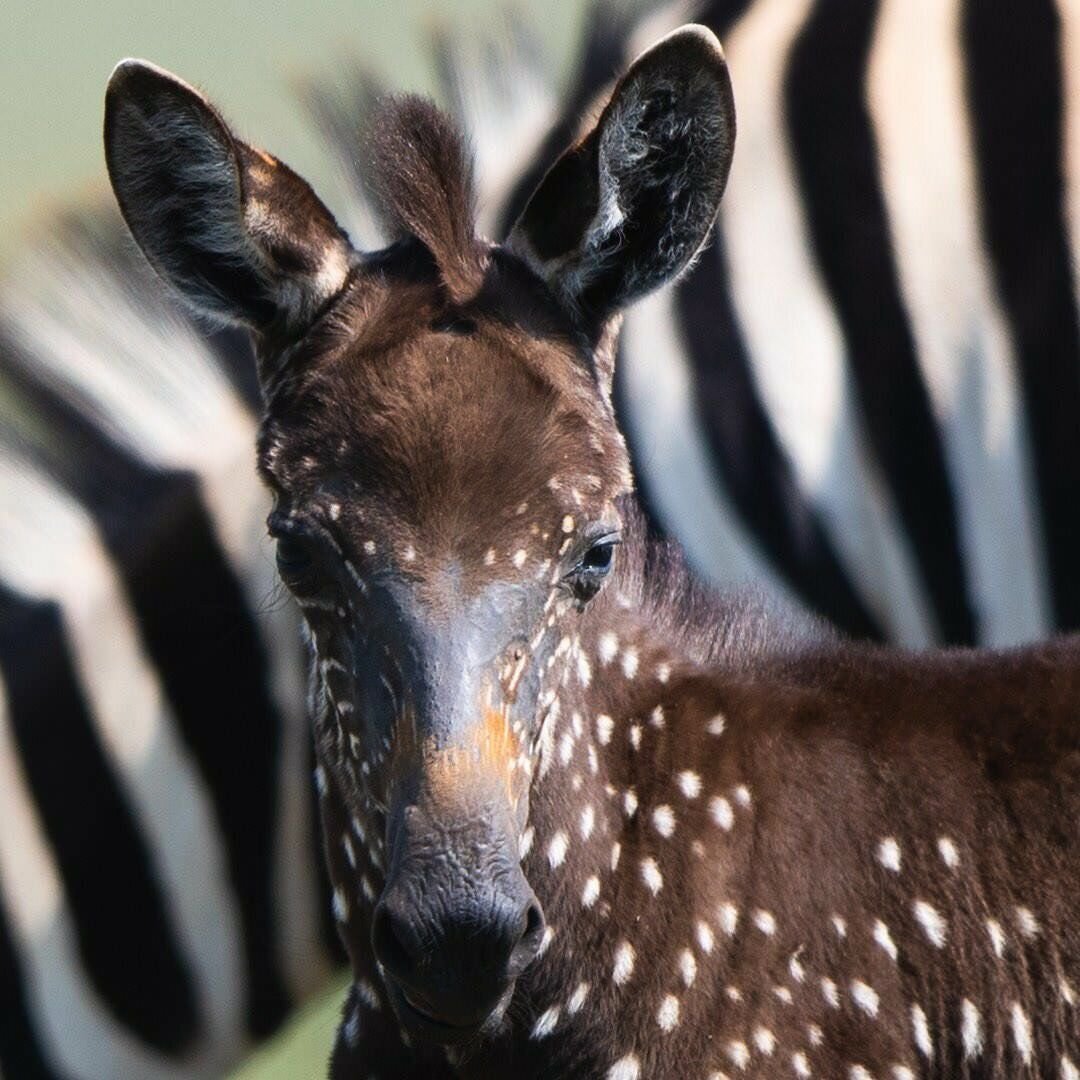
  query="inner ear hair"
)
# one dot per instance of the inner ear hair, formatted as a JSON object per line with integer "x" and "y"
{"x": 237, "y": 233}
{"x": 628, "y": 207}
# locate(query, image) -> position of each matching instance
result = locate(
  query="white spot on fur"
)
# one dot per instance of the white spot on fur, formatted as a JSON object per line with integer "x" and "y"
{"x": 840, "y": 926}
{"x": 689, "y": 783}
{"x": 932, "y": 922}
{"x": 800, "y": 1064}
{"x": 884, "y": 938}
{"x": 765, "y": 922}
{"x": 721, "y": 812}
{"x": 341, "y": 905}
{"x": 663, "y": 819}
{"x": 519, "y": 557}
{"x": 1068, "y": 1070}
{"x": 742, "y": 795}
{"x": 739, "y": 1054}
{"x": 1026, "y": 923}
{"x": 525, "y": 842}
{"x": 650, "y": 874}
{"x": 717, "y": 725}
{"x": 616, "y": 852}
{"x": 630, "y": 802}
{"x": 577, "y": 998}
{"x": 970, "y": 1029}
{"x": 656, "y": 718}
{"x": 635, "y": 736}
{"x": 921, "y": 1030}
{"x": 947, "y": 850}
{"x": 795, "y": 968}
{"x": 667, "y": 1015}
{"x": 997, "y": 936}
{"x": 765, "y": 1041}
{"x": 865, "y": 997}
{"x": 604, "y": 727}
{"x": 607, "y": 647}
{"x": 629, "y": 663}
{"x": 729, "y": 918}
{"x": 584, "y": 669}
{"x": 1021, "y": 1029}
{"x": 687, "y": 968}
{"x": 624, "y": 963}
{"x": 627, "y": 1068}
{"x": 830, "y": 993}
{"x": 705, "y": 938}
{"x": 588, "y": 822}
{"x": 557, "y": 849}
{"x": 591, "y": 893}
{"x": 888, "y": 853}
{"x": 545, "y": 1023}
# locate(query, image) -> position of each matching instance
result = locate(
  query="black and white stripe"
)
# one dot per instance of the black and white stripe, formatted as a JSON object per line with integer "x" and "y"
{"x": 865, "y": 393}
{"x": 864, "y": 399}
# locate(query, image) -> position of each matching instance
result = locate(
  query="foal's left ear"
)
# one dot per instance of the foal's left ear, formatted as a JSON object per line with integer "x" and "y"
{"x": 628, "y": 207}
{"x": 239, "y": 234}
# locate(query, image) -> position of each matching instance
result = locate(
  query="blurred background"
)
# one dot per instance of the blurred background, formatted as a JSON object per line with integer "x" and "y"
{"x": 56, "y": 57}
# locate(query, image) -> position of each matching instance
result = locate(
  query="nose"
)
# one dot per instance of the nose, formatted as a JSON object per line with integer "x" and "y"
{"x": 453, "y": 959}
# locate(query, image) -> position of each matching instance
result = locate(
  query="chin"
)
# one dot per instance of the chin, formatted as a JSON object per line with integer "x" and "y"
{"x": 421, "y": 1026}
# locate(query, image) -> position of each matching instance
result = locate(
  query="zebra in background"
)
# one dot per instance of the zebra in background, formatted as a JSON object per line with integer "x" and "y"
{"x": 863, "y": 397}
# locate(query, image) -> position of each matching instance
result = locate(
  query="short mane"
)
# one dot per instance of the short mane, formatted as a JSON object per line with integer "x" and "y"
{"x": 423, "y": 174}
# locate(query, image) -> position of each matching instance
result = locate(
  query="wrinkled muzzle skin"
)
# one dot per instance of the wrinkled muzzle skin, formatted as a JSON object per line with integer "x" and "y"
{"x": 431, "y": 726}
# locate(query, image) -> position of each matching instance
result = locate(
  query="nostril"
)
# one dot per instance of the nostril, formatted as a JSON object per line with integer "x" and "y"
{"x": 534, "y": 921}
{"x": 388, "y": 941}
{"x": 532, "y": 936}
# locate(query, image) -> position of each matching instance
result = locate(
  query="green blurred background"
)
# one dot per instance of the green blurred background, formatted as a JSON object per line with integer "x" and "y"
{"x": 55, "y": 57}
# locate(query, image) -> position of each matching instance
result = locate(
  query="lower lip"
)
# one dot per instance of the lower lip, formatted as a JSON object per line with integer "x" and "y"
{"x": 431, "y": 1026}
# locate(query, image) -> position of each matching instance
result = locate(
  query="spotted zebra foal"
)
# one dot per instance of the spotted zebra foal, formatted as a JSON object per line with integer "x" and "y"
{"x": 583, "y": 817}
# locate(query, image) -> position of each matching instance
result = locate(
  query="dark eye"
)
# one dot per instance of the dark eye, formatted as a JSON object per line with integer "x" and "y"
{"x": 587, "y": 577}
{"x": 599, "y": 557}
{"x": 294, "y": 559}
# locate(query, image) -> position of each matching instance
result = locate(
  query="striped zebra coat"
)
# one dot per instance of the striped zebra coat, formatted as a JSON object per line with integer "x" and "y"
{"x": 879, "y": 424}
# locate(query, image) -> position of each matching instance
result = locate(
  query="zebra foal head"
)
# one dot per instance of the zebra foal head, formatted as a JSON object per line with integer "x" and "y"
{"x": 440, "y": 443}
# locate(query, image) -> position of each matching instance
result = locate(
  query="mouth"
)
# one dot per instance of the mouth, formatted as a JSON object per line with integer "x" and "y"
{"x": 421, "y": 1021}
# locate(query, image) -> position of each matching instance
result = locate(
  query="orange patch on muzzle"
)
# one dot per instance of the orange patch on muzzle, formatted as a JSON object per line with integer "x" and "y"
{"x": 489, "y": 755}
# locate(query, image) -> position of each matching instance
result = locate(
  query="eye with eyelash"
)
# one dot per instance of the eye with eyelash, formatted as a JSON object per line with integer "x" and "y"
{"x": 595, "y": 565}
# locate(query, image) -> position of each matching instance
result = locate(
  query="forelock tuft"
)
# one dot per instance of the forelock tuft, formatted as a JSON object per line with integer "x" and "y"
{"x": 424, "y": 186}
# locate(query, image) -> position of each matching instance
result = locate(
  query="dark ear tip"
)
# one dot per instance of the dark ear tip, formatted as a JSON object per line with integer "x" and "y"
{"x": 689, "y": 47}
{"x": 133, "y": 80}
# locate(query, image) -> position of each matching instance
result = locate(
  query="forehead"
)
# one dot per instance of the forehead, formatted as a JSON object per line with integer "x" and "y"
{"x": 445, "y": 421}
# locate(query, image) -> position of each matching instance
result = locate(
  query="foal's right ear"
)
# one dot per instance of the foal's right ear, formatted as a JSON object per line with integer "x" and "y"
{"x": 628, "y": 207}
{"x": 239, "y": 234}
